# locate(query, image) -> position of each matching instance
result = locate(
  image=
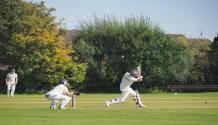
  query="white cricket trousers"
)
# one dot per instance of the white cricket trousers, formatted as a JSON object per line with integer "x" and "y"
{"x": 126, "y": 92}
{"x": 65, "y": 99}
{"x": 124, "y": 95}
{"x": 11, "y": 89}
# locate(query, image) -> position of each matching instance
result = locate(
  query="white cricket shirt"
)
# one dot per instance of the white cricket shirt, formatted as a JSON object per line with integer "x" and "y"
{"x": 127, "y": 81}
{"x": 58, "y": 90}
{"x": 11, "y": 78}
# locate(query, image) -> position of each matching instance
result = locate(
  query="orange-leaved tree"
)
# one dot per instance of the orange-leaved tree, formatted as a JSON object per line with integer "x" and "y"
{"x": 41, "y": 55}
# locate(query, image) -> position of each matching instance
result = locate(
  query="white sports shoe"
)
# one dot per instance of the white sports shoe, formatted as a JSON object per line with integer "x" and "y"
{"x": 62, "y": 108}
{"x": 107, "y": 104}
{"x": 140, "y": 106}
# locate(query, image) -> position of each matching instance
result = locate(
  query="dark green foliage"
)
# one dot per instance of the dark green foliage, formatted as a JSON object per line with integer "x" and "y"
{"x": 200, "y": 49}
{"x": 213, "y": 57}
{"x": 215, "y": 43}
{"x": 9, "y": 12}
{"x": 112, "y": 48}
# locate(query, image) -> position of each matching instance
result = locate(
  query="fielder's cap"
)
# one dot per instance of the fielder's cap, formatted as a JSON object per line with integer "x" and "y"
{"x": 12, "y": 70}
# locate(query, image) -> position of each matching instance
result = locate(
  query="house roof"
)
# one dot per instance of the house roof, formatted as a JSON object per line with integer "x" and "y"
{"x": 4, "y": 67}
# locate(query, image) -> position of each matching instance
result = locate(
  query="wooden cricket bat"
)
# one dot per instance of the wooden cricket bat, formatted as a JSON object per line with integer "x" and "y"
{"x": 138, "y": 68}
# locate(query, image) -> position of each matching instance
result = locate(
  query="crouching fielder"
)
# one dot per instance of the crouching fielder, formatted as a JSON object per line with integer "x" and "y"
{"x": 127, "y": 80}
{"x": 60, "y": 92}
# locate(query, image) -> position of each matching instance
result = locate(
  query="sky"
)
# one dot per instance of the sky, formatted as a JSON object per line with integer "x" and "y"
{"x": 188, "y": 17}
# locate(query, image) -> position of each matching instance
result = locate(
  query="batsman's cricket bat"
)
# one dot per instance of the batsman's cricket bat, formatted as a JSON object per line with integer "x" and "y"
{"x": 138, "y": 68}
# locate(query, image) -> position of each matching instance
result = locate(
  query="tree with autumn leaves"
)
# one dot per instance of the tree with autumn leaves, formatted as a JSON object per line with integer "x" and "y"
{"x": 36, "y": 48}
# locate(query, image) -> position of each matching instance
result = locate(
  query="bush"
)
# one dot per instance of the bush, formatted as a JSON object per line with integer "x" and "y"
{"x": 111, "y": 48}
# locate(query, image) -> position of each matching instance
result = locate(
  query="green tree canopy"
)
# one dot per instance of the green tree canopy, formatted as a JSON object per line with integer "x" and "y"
{"x": 112, "y": 47}
{"x": 213, "y": 75}
{"x": 215, "y": 43}
{"x": 200, "y": 49}
{"x": 9, "y": 12}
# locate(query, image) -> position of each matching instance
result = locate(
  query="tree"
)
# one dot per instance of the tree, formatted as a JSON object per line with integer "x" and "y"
{"x": 215, "y": 43}
{"x": 111, "y": 48}
{"x": 38, "y": 49}
{"x": 180, "y": 38}
{"x": 200, "y": 49}
{"x": 9, "y": 12}
{"x": 213, "y": 56}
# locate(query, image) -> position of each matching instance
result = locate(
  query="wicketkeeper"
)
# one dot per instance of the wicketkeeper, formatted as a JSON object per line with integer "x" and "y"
{"x": 60, "y": 92}
{"x": 127, "y": 80}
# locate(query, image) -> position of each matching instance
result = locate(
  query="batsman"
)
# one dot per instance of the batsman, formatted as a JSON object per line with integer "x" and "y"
{"x": 126, "y": 90}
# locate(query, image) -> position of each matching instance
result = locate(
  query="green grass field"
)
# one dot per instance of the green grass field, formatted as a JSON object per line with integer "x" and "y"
{"x": 162, "y": 109}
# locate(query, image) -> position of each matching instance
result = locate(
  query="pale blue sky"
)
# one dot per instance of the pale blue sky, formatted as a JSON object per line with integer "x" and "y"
{"x": 188, "y": 17}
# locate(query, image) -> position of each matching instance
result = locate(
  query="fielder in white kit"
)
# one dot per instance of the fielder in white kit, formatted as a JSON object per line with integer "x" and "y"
{"x": 60, "y": 92}
{"x": 127, "y": 80}
{"x": 11, "y": 82}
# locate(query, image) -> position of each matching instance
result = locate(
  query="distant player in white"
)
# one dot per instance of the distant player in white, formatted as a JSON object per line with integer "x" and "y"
{"x": 60, "y": 92}
{"x": 127, "y": 80}
{"x": 11, "y": 82}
